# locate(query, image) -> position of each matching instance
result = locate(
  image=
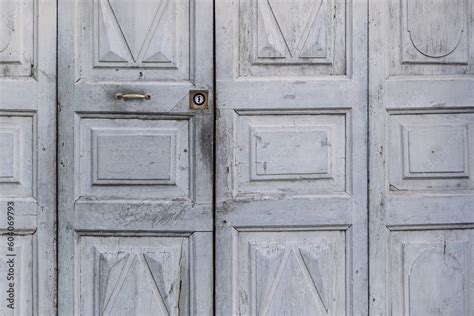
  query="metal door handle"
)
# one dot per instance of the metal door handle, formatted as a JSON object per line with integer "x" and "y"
{"x": 132, "y": 96}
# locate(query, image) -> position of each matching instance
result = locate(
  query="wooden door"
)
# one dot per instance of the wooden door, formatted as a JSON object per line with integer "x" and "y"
{"x": 291, "y": 212}
{"x": 135, "y": 171}
{"x": 27, "y": 157}
{"x": 421, "y": 157}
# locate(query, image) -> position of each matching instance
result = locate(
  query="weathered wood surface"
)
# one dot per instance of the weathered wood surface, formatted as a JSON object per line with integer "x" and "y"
{"x": 135, "y": 177}
{"x": 291, "y": 217}
{"x": 293, "y": 162}
{"x": 27, "y": 154}
{"x": 421, "y": 157}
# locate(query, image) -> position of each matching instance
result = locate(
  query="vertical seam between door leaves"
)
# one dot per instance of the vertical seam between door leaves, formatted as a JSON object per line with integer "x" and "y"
{"x": 214, "y": 157}
{"x": 58, "y": 106}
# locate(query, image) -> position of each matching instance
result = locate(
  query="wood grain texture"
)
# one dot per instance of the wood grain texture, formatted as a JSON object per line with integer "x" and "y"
{"x": 135, "y": 204}
{"x": 28, "y": 146}
{"x": 420, "y": 111}
{"x": 291, "y": 157}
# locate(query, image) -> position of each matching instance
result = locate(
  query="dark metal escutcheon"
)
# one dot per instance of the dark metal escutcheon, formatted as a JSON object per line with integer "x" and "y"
{"x": 198, "y": 99}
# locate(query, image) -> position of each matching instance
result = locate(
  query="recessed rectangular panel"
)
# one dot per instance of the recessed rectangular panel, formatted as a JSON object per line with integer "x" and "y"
{"x": 291, "y": 272}
{"x": 133, "y": 158}
{"x": 295, "y": 154}
{"x": 16, "y": 270}
{"x": 428, "y": 145}
{"x": 16, "y": 38}
{"x": 431, "y": 152}
{"x": 134, "y": 275}
{"x": 9, "y": 143}
{"x": 284, "y": 38}
{"x": 289, "y": 153}
{"x": 17, "y": 172}
{"x": 430, "y": 272}
{"x": 140, "y": 156}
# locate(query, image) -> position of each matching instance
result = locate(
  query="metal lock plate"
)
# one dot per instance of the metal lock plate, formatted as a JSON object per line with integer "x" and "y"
{"x": 198, "y": 99}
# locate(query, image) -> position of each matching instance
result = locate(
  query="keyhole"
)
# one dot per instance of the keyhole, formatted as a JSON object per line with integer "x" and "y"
{"x": 199, "y": 99}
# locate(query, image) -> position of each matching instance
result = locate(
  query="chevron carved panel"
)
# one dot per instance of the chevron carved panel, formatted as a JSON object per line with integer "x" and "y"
{"x": 136, "y": 33}
{"x": 292, "y": 30}
{"x": 292, "y": 38}
{"x": 291, "y": 273}
{"x": 136, "y": 275}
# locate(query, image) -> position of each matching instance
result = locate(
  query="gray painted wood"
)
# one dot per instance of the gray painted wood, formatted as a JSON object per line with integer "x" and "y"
{"x": 291, "y": 219}
{"x": 135, "y": 177}
{"x": 421, "y": 144}
{"x": 28, "y": 151}
{"x": 135, "y": 200}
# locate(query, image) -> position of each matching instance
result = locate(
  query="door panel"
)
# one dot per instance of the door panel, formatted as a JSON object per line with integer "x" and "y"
{"x": 421, "y": 114}
{"x": 27, "y": 157}
{"x": 135, "y": 175}
{"x": 291, "y": 212}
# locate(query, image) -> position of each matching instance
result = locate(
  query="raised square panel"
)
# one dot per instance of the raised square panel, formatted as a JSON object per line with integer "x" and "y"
{"x": 291, "y": 273}
{"x": 434, "y": 37}
{"x": 134, "y": 275}
{"x": 280, "y": 38}
{"x": 16, "y": 38}
{"x": 140, "y": 156}
{"x": 295, "y": 154}
{"x": 134, "y": 40}
{"x": 16, "y": 156}
{"x": 431, "y": 152}
{"x": 133, "y": 158}
{"x": 430, "y": 273}
{"x": 21, "y": 261}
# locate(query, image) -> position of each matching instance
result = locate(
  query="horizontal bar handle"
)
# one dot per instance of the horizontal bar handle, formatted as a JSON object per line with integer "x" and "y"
{"x": 132, "y": 96}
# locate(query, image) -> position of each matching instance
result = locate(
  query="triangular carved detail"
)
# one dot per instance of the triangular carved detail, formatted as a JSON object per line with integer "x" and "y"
{"x": 112, "y": 47}
{"x": 137, "y": 282}
{"x": 293, "y": 291}
{"x": 135, "y": 19}
{"x": 292, "y": 29}
{"x": 112, "y": 274}
{"x": 293, "y": 18}
{"x": 317, "y": 262}
{"x": 136, "y": 31}
{"x": 268, "y": 261}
